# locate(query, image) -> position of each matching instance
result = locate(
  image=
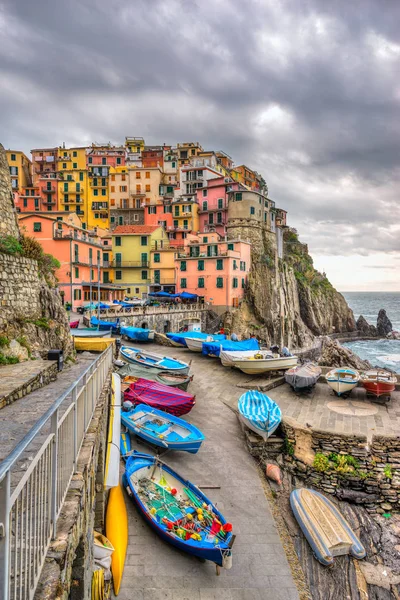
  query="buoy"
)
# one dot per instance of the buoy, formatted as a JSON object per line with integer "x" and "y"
{"x": 273, "y": 472}
{"x": 153, "y": 510}
{"x": 170, "y": 525}
{"x": 189, "y": 517}
{"x": 174, "y": 491}
{"x": 227, "y": 527}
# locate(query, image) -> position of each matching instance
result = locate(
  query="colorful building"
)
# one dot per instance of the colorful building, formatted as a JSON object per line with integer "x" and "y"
{"x": 144, "y": 185}
{"x": 80, "y": 254}
{"x": 213, "y": 204}
{"x": 215, "y": 269}
{"x": 20, "y": 170}
{"x": 131, "y": 247}
{"x": 162, "y": 266}
{"x": 153, "y": 156}
{"x": 186, "y": 151}
{"x": 246, "y": 206}
{"x": 72, "y": 183}
{"x": 28, "y": 199}
{"x": 134, "y": 147}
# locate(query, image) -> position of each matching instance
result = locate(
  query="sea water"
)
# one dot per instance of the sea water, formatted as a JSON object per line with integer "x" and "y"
{"x": 380, "y": 353}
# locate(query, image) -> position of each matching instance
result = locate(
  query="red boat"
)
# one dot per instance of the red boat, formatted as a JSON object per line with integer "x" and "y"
{"x": 73, "y": 324}
{"x": 379, "y": 382}
{"x": 160, "y": 396}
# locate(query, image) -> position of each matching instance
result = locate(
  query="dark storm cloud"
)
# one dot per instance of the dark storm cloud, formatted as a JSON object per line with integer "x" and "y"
{"x": 306, "y": 92}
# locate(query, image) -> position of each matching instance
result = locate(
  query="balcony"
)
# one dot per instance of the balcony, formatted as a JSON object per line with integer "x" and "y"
{"x": 49, "y": 190}
{"x": 64, "y": 158}
{"x": 49, "y": 202}
{"x": 137, "y": 194}
{"x": 130, "y": 264}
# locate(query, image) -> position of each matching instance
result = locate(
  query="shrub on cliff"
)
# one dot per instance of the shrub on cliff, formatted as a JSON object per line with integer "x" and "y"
{"x": 47, "y": 264}
{"x": 10, "y": 245}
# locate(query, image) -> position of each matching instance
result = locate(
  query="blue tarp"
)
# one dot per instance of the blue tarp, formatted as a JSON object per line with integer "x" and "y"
{"x": 92, "y": 306}
{"x": 179, "y": 338}
{"x": 104, "y": 325}
{"x": 183, "y": 295}
{"x": 187, "y": 296}
{"x": 136, "y": 334}
{"x": 215, "y": 347}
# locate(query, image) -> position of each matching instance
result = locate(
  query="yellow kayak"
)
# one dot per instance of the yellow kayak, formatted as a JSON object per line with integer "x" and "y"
{"x": 117, "y": 533}
{"x": 93, "y": 344}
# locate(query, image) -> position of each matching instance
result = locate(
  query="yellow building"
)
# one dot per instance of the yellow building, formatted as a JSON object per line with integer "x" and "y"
{"x": 162, "y": 266}
{"x": 131, "y": 247}
{"x": 98, "y": 211}
{"x": 186, "y": 151}
{"x": 185, "y": 215}
{"x": 144, "y": 186}
{"x": 20, "y": 170}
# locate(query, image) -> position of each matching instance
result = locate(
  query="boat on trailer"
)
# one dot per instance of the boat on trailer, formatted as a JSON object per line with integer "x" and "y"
{"x": 131, "y": 373}
{"x": 162, "y": 429}
{"x": 178, "y": 511}
{"x": 324, "y": 527}
{"x": 263, "y": 361}
{"x": 259, "y": 413}
{"x": 378, "y": 382}
{"x": 149, "y": 359}
{"x": 196, "y": 344}
{"x": 342, "y": 380}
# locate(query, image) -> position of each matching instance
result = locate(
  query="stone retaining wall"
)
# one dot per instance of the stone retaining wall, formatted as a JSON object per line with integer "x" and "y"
{"x": 375, "y": 482}
{"x": 47, "y": 374}
{"x": 19, "y": 289}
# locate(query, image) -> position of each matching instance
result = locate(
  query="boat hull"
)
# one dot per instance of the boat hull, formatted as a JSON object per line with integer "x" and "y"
{"x": 117, "y": 533}
{"x": 256, "y": 367}
{"x": 135, "y": 421}
{"x": 195, "y": 345}
{"x": 325, "y": 529}
{"x": 343, "y": 380}
{"x": 259, "y": 413}
{"x": 95, "y": 344}
{"x": 159, "y": 396}
{"x": 220, "y": 554}
{"x": 148, "y": 360}
{"x": 90, "y": 333}
{"x": 303, "y": 377}
{"x": 379, "y": 388}
{"x": 111, "y": 477}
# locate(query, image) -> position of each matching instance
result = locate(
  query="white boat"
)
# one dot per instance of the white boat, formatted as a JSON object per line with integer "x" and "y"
{"x": 111, "y": 477}
{"x": 262, "y": 362}
{"x": 342, "y": 380}
{"x": 229, "y": 356}
{"x": 196, "y": 344}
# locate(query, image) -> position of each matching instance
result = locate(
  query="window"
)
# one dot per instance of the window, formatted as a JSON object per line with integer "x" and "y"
{"x": 219, "y": 217}
{"x": 173, "y": 165}
{"x": 103, "y": 181}
{"x": 13, "y": 157}
{"x": 112, "y": 219}
{"x": 123, "y": 177}
{"x": 176, "y": 211}
{"x": 183, "y": 283}
{"x": 37, "y": 227}
{"x": 118, "y": 275}
{"x": 76, "y": 272}
{"x": 220, "y": 203}
{"x": 234, "y": 265}
{"x": 205, "y": 192}
{"x": 118, "y": 241}
{"x": 64, "y": 165}
{"x": 143, "y": 240}
{"x": 200, "y": 282}
{"x": 138, "y": 189}
{"x": 66, "y": 198}
{"x": 238, "y": 196}
{"x": 185, "y": 224}
{"x": 231, "y": 246}
{"x": 148, "y": 188}
{"x": 118, "y": 259}
{"x": 144, "y": 259}
{"x": 152, "y": 210}
{"x": 77, "y": 294}
{"x": 120, "y": 220}
{"x": 157, "y": 276}
{"x": 25, "y": 202}
{"x": 138, "y": 175}
{"x": 118, "y": 161}
{"x": 95, "y": 192}
{"x": 90, "y": 160}
{"x": 157, "y": 257}
{"x": 212, "y": 250}
{"x": 220, "y": 282}
{"x": 144, "y": 275}
{"x": 176, "y": 224}
{"x": 147, "y": 175}
{"x": 205, "y": 205}
{"x": 103, "y": 161}
{"x": 252, "y": 210}
{"x": 65, "y": 187}
{"x": 96, "y": 215}
{"x": 95, "y": 181}
{"x": 243, "y": 282}
{"x": 74, "y": 165}
{"x": 234, "y": 282}
{"x": 211, "y": 218}
{"x": 103, "y": 192}
{"x": 106, "y": 277}
{"x": 200, "y": 265}
{"x": 113, "y": 188}
{"x": 74, "y": 154}
{"x": 36, "y": 203}
{"x": 220, "y": 264}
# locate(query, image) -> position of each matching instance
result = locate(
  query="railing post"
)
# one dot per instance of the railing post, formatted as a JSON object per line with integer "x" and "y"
{"x": 85, "y": 399}
{"x": 54, "y": 452}
{"x": 5, "y": 492}
{"x": 75, "y": 425}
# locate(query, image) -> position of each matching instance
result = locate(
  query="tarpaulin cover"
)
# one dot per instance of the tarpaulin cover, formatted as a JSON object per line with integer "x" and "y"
{"x": 179, "y": 338}
{"x": 104, "y": 325}
{"x": 92, "y": 306}
{"x": 136, "y": 333}
{"x": 160, "y": 396}
{"x": 215, "y": 347}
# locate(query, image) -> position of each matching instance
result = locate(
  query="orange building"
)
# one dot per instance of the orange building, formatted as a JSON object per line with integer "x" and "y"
{"x": 153, "y": 156}
{"x": 215, "y": 269}
{"x": 81, "y": 256}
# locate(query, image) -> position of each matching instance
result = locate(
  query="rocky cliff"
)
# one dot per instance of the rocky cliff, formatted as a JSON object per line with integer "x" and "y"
{"x": 287, "y": 301}
{"x": 32, "y": 318}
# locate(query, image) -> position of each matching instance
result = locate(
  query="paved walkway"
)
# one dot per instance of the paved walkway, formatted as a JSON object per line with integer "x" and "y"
{"x": 154, "y": 570}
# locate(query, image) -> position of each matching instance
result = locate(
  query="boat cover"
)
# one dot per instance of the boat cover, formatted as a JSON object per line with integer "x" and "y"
{"x": 180, "y": 380}
{"x": 160, "y": 396}
{"x": 104, "y": 324}
{"x": 74, "y": 324}
{"x": 216, "y": 346}
{"x": 93, "y": 344}
{"x": 136, "y": 333}
{"x": 260, "y": 410}
{"x": 303, "y": 376}
{"x": 179, "y": 338}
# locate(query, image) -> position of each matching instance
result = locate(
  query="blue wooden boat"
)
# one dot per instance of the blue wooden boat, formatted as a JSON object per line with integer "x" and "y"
{"x": 137, "y": 334}
{"x": 90, "y": 332}
{"x": 259, "y": 413}
{"x": 103, "y": 325}
{"x": 148, "y": 359}
{"x": 162, "y": 429}
{"x": 325, "y": 529}
{"x": 177, "y": 510}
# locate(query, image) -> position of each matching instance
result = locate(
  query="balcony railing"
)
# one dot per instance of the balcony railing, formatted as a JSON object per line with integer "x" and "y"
{"x": 130, "y": 264}
{"x": 137, "y": 194}
{"x": 64, "y": 158}
{"x": 49, "y": 190}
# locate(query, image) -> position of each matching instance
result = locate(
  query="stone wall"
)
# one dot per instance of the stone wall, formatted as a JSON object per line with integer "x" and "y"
{"x": 162, "y": 321}
{"x": 45, "y": 372}
{"x": 373, "y": 482}
{"x": 67, "y": 573}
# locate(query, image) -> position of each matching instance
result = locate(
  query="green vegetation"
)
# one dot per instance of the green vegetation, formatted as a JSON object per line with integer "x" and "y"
{"x": 342, "y": 464}
{"x": 10, "y": 245}
{"x": 47, "y": 264}
{"x": 388, "y": 472}
{"x": 296, "y": 255}
{"x": 288, "y": 447}
{"x": 8, "y": 360}
{"x": 4, "y": 341}
{"x": 24, "y": 342}
{"x": 42, "y": 322}
{"x": 321, "y": 462}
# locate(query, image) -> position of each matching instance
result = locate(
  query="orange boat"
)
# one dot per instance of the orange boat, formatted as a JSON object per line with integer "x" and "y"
{"x": 379, "y": 382}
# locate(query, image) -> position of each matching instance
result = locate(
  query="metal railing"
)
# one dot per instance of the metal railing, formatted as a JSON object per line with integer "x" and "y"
{"x": 142, "y": 311}
{"x": 29, "y": 512}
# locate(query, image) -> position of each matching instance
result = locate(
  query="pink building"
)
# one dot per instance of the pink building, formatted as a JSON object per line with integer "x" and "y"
{"x": 110, "y": 156}
{"x": 213, "y": 204}
{"x": 214, "y": 269}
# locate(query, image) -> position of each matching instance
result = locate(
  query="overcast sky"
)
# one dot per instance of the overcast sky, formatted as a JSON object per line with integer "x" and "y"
{"x": 306, "y": 92}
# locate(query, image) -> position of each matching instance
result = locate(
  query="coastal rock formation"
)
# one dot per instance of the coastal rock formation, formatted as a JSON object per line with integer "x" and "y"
{"x": 287, "y": 301}
{"x": 335, "y": 355}
{"x": 365, "y": 328}
{"x": 383, "y": 324}
{"x": 32, "y": 318}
